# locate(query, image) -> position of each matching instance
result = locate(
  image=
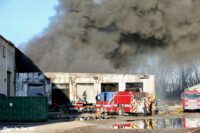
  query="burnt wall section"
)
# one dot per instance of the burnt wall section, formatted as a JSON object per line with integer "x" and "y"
{"x": 33, "y": 84}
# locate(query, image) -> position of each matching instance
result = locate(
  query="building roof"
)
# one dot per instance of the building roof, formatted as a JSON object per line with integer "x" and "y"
{"x": 8, "y": 42}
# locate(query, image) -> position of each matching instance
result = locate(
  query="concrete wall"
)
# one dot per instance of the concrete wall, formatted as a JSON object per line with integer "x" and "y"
{"x": 74, "y": 79}
{"x": 7, "y": 63}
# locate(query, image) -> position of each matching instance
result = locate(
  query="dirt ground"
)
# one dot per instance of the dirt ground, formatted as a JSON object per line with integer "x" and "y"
{"x": 97, "y": 126}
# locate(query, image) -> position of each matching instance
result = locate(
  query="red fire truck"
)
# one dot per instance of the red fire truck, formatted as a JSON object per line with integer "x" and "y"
{"x": 123, "y": 102}
{"x": 191, "y": 100}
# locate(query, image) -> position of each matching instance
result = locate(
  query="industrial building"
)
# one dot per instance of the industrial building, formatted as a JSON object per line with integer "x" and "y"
{"x": 65, "y": 87}
{"x": 12, "y": 61}
{"x": 19, "y": 76}
{"x": 7, "y": 67}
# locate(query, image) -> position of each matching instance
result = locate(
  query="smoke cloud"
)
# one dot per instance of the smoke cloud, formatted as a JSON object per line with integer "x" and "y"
{"x": 118, "y": 36}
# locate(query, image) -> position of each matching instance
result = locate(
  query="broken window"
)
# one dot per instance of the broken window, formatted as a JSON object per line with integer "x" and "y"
{"x": 136, "y": 86}
{"x": 36, "y": 90}
{"x": 109, "y": 87}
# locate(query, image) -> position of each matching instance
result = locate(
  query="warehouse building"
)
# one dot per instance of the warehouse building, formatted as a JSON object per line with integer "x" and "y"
{"x": 65, "y": 87}
{"x": 7, "y": 67}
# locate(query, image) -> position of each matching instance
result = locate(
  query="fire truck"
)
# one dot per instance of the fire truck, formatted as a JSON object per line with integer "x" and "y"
{"x": 124, "y": 102}
{"x": 191, "y": 100}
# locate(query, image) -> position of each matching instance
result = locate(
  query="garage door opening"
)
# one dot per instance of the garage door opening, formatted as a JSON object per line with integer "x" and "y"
{"x": 60, "y": 94}
{"x": 136, "y": 86}
{"x": 86, "y": 91}
{"x": 109, "y": 87}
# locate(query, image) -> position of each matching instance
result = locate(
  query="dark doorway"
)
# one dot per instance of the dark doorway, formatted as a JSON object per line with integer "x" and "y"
{"x": 136, "y": 86}
{"x": 60, "y": 94}
{"x": 109, "y": 87}
{"x": 8, "y": 83}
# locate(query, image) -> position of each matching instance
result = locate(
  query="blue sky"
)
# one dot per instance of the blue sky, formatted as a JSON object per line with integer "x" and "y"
{"x": 20, "y": 20}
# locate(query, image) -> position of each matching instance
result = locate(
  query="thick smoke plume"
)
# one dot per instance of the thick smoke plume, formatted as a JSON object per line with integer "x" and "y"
{"x": 117, "y": 35}
{"x": 130, "y": 36}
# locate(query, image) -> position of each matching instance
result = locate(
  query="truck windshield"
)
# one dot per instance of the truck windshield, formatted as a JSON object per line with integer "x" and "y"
{"x": 192, "y": 96}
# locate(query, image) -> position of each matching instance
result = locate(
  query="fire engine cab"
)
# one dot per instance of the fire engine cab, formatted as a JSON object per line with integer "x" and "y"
{"x": 123, "y": 102}
{"x": 191, "y": 100}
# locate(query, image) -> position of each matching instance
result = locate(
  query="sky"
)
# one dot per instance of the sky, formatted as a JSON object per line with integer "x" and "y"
{"x": 20, "y": 20}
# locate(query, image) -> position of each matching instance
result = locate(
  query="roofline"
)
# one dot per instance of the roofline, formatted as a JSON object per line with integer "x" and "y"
{"x": 98, "y": 73}
{"x": 72, "y": 73}
{"x": 8, "y": 42}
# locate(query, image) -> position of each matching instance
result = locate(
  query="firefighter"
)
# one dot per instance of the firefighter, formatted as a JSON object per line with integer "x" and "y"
{"x": 85, "y": 96}
{"x": 145, "y": 107}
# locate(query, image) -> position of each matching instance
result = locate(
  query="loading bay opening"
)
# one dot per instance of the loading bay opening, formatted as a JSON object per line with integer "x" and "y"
{"x": 136, "y": 86}
{"x": 60, "y": 94}
{"x": 109, "y": 87}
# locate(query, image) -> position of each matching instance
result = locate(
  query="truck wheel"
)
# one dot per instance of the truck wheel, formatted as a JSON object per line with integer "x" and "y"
{"x": 120, "y": 111}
